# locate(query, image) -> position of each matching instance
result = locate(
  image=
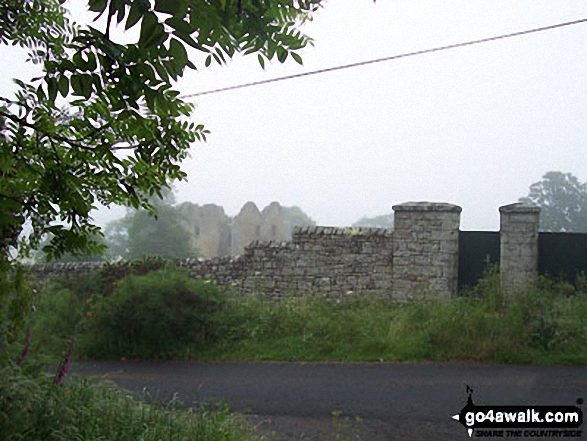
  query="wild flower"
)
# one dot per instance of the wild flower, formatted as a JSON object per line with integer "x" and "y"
{"x": 26, "y": 347}
{"x": 64, "y": 365}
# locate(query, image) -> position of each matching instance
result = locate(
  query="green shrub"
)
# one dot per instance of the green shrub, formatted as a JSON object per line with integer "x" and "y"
{"x": 164, "y": 314}
{"x": 161, "y": 314}
{"x": 57, "y": 318}
{"x": 15, "y": 303}
{"x": 111, "y": 274}
{"x": 547, "y": 324}
{"x": 32, "y": 408}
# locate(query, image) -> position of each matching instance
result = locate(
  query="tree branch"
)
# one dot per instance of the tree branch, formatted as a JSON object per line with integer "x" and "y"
{"x": 56, "y": 137}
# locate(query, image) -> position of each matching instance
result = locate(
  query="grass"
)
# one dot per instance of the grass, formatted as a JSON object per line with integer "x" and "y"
{"x": 545, "y": 325}
{"x": 32, "y": 407}
{"x": 538, "y": 326}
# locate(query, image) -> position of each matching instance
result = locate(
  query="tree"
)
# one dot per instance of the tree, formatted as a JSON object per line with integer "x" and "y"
{"x": 118, "y": 132}
{"x": 381, "y": 221}
{"x": 562, "y": 200}
{"x": 38, "y": 256}
{"x": 140, "y": 234}
{"x": 295, "y": 216}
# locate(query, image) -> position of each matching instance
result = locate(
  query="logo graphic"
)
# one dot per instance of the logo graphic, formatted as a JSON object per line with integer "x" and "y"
{"x": 520, "y": 421}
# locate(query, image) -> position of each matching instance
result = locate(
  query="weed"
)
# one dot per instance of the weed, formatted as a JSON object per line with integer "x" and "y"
{"x": 163, "y": 314}
{"x": 346, "y": 428}
{"x": 33, "y": 408}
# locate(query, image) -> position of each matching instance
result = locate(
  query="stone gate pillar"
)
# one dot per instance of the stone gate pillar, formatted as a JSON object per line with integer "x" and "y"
{"x": 518, "y": 245}
{"x": 425, "y": 250}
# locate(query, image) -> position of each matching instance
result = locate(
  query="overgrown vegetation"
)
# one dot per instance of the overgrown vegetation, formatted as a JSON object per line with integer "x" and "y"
{"x": 116, "y": 135}
{"x": 37, "y": 403}
{"x": 32, "y": 407}
{"x": 163, "y": 314}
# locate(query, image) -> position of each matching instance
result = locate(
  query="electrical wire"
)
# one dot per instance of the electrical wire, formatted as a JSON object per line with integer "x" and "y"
{"x": 393, "y": 57}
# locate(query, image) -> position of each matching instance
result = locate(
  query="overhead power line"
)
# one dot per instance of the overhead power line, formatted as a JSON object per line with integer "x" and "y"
{"x": 392, "y": 57}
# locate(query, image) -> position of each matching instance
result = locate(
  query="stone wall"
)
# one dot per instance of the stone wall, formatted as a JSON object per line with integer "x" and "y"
{"x": 332, "y": 262}
{"x": 519, "y": 225}
{"x": 419, "y": 258}
{"x": 426, "y": 250}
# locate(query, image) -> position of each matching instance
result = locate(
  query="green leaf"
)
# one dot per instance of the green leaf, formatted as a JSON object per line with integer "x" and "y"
{"x": 161, "y": 71}
{"x": 221, "y": 56}
{"x": 79, "y": 62}
{"x": 51, "y": 88}
{"x": 146, "y": 71}
{"x": 120, "y": 6}
{"x": 63, "y": 86}
{"x": 97, "y": 80}
{"x": 191, "y": 65}
{"x": 76, "y": 85}
{"x": 178, "y": 52}
{"x": 138, "y": 8}
{"x": 281, "y": 54}
{"x": 40, "y": 93}
{"x": 172, "y": 70}
{"x": 179, "y": 25}
{"x": 91, "y": 63}
{"x": 261, "y": 61}
{"x": 148, "y": 28}
{"x": 189, "y": 40}
{"x": 208, "y": 60}
{"x": 87, "y": 81}
{"x": 168, "y": 6}
{"x": 297, "y": 58}
{"x": 97, "y": 5}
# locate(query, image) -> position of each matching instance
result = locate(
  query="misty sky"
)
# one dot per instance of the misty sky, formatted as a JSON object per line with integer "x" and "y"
{"x": 473, "y": 126}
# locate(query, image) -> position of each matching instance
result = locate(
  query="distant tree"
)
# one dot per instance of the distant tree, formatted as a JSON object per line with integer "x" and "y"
{"x": 562, "y": 200}
{"x": 381, "y": 221}
{"x": 140, "y": 234}
{"x": 40, "y": 256}
{"x": 296, "y": 217}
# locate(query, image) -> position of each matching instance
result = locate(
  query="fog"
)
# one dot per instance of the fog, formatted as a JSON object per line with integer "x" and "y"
{"x": 473, "y": 126}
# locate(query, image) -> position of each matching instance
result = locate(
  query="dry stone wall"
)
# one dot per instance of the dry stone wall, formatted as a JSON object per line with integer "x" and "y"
{"x": 332, "y": 262}
{"x": 419, "y": 258}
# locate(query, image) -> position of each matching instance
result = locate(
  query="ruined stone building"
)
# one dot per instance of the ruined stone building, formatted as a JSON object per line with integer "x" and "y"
{"x": 214, "y": 233}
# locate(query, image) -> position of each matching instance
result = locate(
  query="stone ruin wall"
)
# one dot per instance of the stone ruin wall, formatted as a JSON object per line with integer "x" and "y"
{"x": 214, "y": 234}
{"x": 418, "y": 258}
{"x": 332, "y": 262}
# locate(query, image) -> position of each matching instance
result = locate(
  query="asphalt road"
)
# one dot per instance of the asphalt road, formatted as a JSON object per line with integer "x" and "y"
{"x": 393, "y": 400}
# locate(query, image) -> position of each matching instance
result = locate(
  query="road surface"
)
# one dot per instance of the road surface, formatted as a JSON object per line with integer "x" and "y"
{"x": 392, "y": 400}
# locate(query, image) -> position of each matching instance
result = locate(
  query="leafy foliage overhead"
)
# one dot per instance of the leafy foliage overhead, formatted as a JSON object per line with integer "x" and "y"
{"x": 562, "y": 200}
{"x": 103, "y": 123}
